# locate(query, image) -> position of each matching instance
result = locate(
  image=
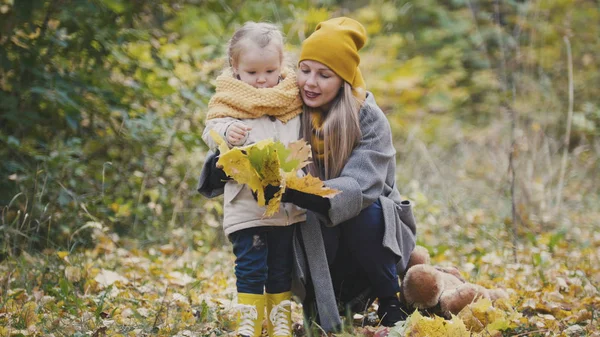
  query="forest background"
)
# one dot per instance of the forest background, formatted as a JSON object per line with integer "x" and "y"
{"x": 495, "y": 112}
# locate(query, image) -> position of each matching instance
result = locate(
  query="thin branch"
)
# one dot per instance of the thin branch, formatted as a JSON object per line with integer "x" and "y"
{"x": 481, "y": 46}
{"x": 178, "y": 123}
{"x": 511, "y": 167}
{"x": 435, "y": 168}
{"x": 563, "y": 165}
{"x": 162, "y": 305}
{"x": 139, "y": 201}
{"x": 508, "y": 84}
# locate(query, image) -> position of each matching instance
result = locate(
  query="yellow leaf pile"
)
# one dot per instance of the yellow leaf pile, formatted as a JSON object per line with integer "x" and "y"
{"x": 418, "y": 325}
{"x": 488, "y": 320}
{"x": 480, "y": 318}
{"x": 269, "y": 162}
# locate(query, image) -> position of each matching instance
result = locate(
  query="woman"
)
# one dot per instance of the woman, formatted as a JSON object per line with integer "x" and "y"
{"x": 353, "y": 246}
{"x": 365, "y": 233}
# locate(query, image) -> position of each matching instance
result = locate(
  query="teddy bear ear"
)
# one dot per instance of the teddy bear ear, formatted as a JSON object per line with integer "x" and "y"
{"x": 419, "y": 255}
{"x": 453, "y": 301}
{"x": 422, "y": 286}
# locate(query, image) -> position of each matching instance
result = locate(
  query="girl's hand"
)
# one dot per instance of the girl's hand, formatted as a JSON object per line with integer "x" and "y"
{"x": 237, "y": 133}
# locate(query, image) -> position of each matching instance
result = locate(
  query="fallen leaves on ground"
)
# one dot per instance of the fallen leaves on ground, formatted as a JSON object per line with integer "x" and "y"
{"x": 119, "y": 288}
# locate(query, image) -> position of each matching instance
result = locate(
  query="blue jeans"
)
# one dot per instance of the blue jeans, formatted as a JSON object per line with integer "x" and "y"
{"x": 263, "y": 259}
{"x": 361, "y": 260}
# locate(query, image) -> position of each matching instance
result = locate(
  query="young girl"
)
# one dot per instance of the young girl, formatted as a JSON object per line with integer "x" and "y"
{"x": 257, "y": 98}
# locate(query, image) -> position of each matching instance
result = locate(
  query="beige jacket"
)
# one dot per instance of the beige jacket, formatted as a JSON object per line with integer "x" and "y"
{"x": 240, "y": 208}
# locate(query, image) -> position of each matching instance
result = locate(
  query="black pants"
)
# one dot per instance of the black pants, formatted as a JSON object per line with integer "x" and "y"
{"x": 361, "y": 268}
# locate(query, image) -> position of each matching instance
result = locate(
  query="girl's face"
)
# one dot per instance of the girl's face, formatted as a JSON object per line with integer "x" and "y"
{"x": 318, "y": 84}
{"x": 259, "y": 67}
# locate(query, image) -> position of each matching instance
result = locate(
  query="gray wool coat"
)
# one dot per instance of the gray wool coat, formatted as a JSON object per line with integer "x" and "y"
{"x": 369, "y": 175}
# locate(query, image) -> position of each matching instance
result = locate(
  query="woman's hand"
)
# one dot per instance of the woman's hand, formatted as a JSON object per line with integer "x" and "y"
{"x": 217, "y": 178}
{"x": 308, "y": 201}
{"x": 237, "y": 133}
{"x": 269, "y": 192}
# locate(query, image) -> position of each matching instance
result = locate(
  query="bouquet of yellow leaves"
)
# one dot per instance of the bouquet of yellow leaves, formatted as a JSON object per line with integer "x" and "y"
{"x": 269, "y": 162}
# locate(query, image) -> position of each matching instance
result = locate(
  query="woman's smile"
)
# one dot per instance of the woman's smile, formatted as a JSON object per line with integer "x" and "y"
{"x": 310, "y": 94}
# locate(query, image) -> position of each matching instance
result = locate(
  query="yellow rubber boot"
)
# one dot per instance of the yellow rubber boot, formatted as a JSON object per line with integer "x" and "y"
{"x": 251, "y": 308}
{"x": 279, "y": 309}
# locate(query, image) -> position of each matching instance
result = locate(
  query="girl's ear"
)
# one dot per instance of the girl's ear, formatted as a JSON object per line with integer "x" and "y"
{"x": 234, "y": 70}
{"x": 234, "y": 67}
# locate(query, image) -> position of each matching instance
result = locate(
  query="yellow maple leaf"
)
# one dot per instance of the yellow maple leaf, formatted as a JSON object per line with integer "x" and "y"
{"x": 274, "y": 203}
{"x": 481, "y": 316}
{"x": 28, "y": 314}
{"x": 309, "y": 184}
{"x": 269, "y": 162}
{"x": 62, "y": 254}
{"x": 419, "y": 326}
{"x": 295, "y": 156}
{"x": 219, "y": 140}
{"x": 263, "y": 157}
{"x": 236, "y": 164}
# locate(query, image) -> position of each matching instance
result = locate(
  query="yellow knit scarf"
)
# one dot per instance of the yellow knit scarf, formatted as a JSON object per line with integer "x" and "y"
{"x": 316, "y": 138}
{"x": 237, "y": 99}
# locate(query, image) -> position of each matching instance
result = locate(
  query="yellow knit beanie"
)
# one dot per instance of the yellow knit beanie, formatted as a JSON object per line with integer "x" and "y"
{"x": 335, "y": 43}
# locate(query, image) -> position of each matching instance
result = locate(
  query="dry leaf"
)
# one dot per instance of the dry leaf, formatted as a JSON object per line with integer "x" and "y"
{"x": 419, "y": 326}
{"x": 311, "y": 185}
{"x": 107, "y": 277}
{"x": 73, "y": 274}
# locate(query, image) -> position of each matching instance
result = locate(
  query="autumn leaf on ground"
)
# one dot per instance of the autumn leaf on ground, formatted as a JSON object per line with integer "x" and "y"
{"x": 107, "y": 277}
{"x": 482, "y": 316}
{"x": 417, "y": 325}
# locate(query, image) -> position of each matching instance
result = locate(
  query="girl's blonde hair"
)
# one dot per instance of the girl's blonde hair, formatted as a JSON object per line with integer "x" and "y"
{"x": 340, "y": 132}
{"x": 261, "y": 33}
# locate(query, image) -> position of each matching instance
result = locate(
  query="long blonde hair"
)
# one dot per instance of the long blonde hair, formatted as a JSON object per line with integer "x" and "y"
{"x": 340, "y": 133}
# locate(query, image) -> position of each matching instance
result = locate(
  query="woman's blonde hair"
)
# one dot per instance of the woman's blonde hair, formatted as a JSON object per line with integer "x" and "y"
{"x": 261, "y": 33}
{"x": 340, "y": 133}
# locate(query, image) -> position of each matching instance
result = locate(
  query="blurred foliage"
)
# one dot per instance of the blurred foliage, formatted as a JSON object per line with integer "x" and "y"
{"x": 102, "y": 102}
{"x": 101, "y": 113}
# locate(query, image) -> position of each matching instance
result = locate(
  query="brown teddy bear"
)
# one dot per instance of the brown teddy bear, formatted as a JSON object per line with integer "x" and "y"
{"x": 440, "y": 291}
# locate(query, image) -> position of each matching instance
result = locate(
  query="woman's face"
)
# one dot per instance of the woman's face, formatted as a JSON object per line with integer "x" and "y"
{"x": 318, "y": 84}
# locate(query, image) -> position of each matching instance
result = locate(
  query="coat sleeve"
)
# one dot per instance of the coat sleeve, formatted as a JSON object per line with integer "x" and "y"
{"x": 206, "y": 183}
{"x": 220, "y": 125}
{"x": 362, "y": 179}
